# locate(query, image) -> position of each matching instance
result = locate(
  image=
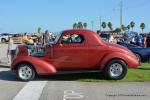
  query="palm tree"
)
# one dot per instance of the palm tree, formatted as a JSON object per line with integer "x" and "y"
{"x": 80, "y": 25}
{"x": 75, "y": 25}
{"x": 39, "y": 30}
{"x": 132, "y": 24}
{"x": 110, "y": 26}
{"x": 103, "y": 25}
{"x": 85, "y": 25}
{"x": 142, "y": 26}
{"x": 128, "y": 27}
{"x": 117, "y": 30}
{"x": 123, "y": 27}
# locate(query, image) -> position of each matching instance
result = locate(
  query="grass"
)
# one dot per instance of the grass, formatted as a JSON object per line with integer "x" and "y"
{"x": 140, "y": 74}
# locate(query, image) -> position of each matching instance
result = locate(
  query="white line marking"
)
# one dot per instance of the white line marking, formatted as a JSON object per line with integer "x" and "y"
{"x": 70, "y": 94}
{"x": 31, "y": 91}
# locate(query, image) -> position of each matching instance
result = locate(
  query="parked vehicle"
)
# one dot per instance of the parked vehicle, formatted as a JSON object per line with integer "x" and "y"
{"x": 104, "y": 36}
{"x": 4, "y": 37}
{"x": 142, "y": 53}
{"x": 75, "y": 50}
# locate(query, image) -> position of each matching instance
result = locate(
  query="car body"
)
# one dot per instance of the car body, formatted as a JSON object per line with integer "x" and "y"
{"x": 75, "y": 50}
{"x": 142, "y": 53}
{"x": 4, "y": 37}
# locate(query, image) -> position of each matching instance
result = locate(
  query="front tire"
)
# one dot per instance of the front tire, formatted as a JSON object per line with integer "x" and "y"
{"x": 25, "y": 72}
{"x": 116, "y": 69}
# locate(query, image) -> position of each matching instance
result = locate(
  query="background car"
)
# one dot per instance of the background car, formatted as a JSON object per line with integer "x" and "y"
{"x": 142, "y": 53}
{"x": 4, "y": 37}
{"x": 104, "y": 36}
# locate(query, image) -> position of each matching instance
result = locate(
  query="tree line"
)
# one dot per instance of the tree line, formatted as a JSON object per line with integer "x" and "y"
{"x": 131, "y": 25}
{"x": 80, "y": 25}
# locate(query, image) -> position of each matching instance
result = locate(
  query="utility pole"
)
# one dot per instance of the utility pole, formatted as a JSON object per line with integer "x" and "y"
{"x": 121, "y": 23}
{"x": 100, "y": 23}
{"x": 92, "y": 24}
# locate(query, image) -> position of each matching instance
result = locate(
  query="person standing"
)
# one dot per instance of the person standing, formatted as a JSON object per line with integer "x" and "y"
{"x": 111, "y": 38}
{"x": 125, "y": 36}
{"x": 138, "y": 40}
{"x": 11, "y": 47}
{"x": 148, "y": 40}
{"x": 144, "y": 42}
{"x": 25, "y": 38}
{"x": 46, "y": 37}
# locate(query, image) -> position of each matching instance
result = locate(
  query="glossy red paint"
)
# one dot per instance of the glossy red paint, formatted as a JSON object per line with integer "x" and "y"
{"x": 23, "y": 51}
{"x": 92, "y": 53}
{"x": 41, "y": 66}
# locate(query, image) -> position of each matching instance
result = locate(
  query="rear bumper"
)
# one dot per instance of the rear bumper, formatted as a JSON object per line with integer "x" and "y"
{"x": 133, "y": 62}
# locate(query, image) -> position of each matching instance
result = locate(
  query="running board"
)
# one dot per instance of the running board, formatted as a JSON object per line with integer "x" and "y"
{"x": 78, "y": 71}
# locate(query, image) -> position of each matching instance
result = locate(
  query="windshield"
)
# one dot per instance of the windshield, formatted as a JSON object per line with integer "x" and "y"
{"x": 58, "y": 35}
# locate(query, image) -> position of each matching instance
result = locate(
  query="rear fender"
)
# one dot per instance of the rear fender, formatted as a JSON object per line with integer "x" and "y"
{"x": 130, "y": 61}
{"x": 41, "y": 66}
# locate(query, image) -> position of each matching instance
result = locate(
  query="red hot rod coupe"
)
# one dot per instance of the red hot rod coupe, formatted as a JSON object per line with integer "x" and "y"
{"x": 75, "y": 50}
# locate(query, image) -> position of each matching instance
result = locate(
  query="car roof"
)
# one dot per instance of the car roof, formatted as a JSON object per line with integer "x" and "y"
{"x": 79, "y": 30}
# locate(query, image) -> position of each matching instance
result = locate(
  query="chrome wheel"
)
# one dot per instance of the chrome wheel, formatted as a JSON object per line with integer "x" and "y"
{"x": 116, "y": 70}
{"x": 25, "y": 72}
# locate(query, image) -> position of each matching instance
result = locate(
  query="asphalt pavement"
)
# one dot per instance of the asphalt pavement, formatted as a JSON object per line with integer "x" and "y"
{"x": 50, "y": 88}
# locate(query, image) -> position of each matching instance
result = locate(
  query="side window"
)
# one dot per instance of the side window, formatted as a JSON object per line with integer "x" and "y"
{"x": 77, "y": 38}
{"x": 72, "y": 38}
{"x": 66, "y": 39}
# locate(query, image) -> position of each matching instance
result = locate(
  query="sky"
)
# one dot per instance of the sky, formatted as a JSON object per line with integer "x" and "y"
{"x": 19, "y": 16}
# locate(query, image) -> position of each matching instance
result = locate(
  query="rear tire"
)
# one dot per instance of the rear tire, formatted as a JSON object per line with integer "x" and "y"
{"x": 116, "y": 69}
{"x": 25, "y": 72}
{"x": 3, "y": 40}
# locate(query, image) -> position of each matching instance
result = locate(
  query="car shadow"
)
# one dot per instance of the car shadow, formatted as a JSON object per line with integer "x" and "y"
{"x": 72, "y": 77}
{"x": 11, "y": 76}
{"x": 143, "y": 68}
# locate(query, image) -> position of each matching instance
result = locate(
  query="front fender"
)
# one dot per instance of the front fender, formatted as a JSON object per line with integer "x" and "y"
{"x": 131, "y": 61}
{"x": 41, "y": 66}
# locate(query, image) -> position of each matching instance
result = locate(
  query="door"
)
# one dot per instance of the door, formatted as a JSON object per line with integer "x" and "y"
{"x": 71, "y": 52}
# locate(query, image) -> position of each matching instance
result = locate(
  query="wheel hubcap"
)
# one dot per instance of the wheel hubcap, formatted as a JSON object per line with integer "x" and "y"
{"x": 25, "y": 72}
{"x": 116, "y": 70}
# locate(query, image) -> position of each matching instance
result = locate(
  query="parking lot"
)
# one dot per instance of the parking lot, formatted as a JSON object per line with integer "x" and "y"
{"x": 45, "y": 88}
{"x": 3, "y": 52}
{"x": 55, "y": 88}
